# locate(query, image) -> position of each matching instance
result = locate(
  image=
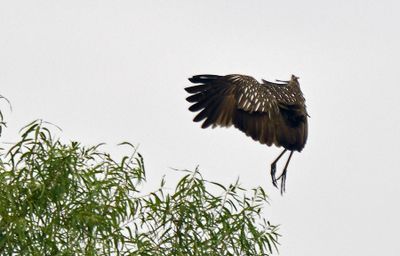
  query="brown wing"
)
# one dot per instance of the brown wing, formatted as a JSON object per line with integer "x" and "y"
{"x": 235, "y": 100}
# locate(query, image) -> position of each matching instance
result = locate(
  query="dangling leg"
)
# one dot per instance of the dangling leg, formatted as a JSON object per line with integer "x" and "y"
{"x": 273, "y": 168}
{"x": 283, "y": 175}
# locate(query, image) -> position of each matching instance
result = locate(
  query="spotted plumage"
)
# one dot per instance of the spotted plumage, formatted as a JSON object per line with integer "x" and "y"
{"x": 268, "y": 112}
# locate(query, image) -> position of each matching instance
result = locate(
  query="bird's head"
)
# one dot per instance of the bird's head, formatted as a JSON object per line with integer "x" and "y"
{"x": 294, "y": 80}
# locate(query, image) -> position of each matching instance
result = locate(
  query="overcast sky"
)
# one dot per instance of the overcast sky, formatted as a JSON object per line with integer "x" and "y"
{"x": 112, "y": 71}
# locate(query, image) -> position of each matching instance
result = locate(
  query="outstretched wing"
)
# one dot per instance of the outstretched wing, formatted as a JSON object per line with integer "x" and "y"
{"x": 237, "y": 100}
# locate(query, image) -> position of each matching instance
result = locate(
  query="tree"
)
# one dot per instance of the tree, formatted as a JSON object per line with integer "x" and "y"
{"x": 67, "y": 199}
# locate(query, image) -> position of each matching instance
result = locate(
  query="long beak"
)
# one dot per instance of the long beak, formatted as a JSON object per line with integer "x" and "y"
{"x": 282, "y": 81}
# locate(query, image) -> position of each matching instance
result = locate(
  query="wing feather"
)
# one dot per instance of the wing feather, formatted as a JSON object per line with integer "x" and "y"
{"x": 232, "y": 100}
{"x": 270, "y": 113}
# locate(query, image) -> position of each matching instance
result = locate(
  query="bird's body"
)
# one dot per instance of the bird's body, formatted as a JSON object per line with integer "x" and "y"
{"x": 271, "y": 113}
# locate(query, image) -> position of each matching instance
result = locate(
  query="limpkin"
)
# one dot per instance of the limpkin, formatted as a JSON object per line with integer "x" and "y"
{"x": 268, "y": 112}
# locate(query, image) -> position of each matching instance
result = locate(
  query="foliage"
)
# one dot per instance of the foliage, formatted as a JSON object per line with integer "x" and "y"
{"x": 193, "y": 221}
{"x": 64, "y": 199}
{"x": 67, "y": 199}
{"x": 2, "y": 122}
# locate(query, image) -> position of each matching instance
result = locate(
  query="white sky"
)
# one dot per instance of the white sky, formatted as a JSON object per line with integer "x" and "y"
{"x": 112, "y": 71}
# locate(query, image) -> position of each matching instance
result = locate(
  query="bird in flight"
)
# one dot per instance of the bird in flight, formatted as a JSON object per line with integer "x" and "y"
{"x": 268, "y": 112}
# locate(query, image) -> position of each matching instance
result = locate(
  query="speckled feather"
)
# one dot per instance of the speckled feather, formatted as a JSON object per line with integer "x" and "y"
{"x": 271, "y": 113}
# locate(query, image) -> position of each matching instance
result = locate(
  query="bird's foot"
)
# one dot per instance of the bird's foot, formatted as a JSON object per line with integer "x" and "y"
{"x": 282, "y": 177}
{"x": 273, "y": 172}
